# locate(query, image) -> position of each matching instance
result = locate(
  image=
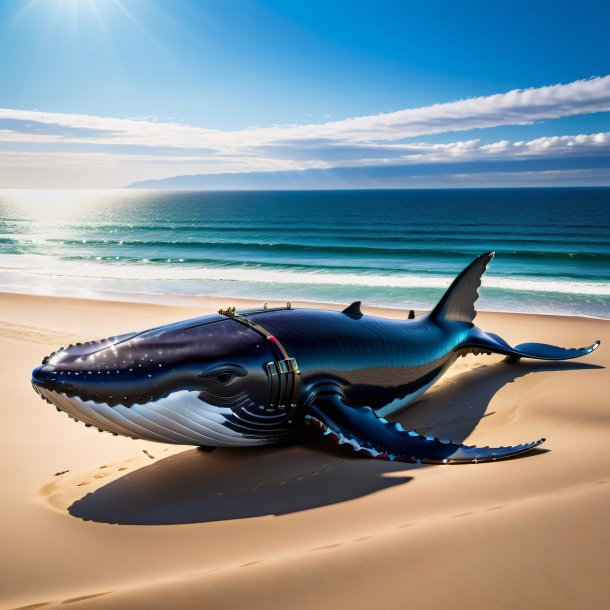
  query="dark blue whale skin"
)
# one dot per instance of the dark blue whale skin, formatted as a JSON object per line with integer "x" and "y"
{"x": 257, "y": 377}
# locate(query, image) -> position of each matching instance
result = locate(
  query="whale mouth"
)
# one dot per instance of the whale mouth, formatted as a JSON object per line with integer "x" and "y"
{"x": 181, "y": 418}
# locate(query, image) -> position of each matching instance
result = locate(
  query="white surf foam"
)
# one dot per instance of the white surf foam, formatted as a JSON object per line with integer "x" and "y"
{"x": 47, "y": 267}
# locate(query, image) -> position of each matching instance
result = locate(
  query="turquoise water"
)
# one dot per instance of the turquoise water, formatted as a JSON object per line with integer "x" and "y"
{"x": 396, "y": 248}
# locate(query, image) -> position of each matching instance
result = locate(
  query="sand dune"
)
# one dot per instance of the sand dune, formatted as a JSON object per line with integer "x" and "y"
{"x": 90, "y": 520}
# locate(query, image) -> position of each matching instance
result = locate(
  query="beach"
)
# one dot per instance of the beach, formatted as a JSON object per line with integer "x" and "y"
{"x": 96, "y": 521}
{"x": 183, "y": 183}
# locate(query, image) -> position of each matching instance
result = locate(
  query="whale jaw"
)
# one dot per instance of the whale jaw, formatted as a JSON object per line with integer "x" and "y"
{"x": 181, "y": 418}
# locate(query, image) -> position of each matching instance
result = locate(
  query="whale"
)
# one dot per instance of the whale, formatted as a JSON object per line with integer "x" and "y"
{"x": 263, "y": 376}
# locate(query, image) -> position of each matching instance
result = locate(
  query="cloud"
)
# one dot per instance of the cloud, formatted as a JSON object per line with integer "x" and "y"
{"x": 397, "y": 164}
{"x": 296, "y": 155}
{"x": 38, "y": 128}
{"x": 54, "y": 149}
{"x": 25, "y": 169}
{"x": 343, "y": 153}
{"x": 517, "y": 107}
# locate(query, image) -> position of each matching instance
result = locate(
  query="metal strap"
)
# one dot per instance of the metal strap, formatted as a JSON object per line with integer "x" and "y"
{"x": 261, "y": 331}
{"x": 283, "y": 372}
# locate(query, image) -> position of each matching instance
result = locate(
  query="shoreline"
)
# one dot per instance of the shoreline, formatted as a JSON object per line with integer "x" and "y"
{"x": 308, "y": 525}
{"x": 188, "y": 301}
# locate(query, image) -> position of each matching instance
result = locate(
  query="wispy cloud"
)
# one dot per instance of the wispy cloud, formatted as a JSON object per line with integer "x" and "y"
{"x": 116, "y": 169}
{"x": 115, "y": 149}
{"x": 329, "y": 151}
{"x": 517, "y": 107}
{"x": 304, "y": 155}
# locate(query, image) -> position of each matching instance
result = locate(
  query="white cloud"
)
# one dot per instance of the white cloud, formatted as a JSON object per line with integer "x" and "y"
{"x": 55, "y": 149}
{"x": 466, "y": 150}
{"x": 517, "y": 107}
{"x": 108, "y": 170}
{"x": 117, "y": 169}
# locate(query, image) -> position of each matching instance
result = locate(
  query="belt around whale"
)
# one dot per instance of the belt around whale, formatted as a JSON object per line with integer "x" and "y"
{"x": 282, "y": 373}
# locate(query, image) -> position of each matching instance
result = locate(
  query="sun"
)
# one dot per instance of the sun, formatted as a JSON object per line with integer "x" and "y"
{"x": 79, "y": 10}
{"x": 104, "y": 25}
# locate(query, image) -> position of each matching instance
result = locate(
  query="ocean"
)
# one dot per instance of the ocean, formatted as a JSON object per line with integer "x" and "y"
{"x": 395, "y": 248}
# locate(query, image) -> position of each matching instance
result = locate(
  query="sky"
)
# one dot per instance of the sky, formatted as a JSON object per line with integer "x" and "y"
{"x": 106, "y": 93}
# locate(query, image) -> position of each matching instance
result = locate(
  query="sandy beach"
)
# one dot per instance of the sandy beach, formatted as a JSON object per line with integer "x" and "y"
{"x": 91, "y": 520}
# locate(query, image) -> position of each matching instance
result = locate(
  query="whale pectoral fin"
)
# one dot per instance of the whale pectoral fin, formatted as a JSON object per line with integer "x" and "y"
{"x": 540, "y": 351}
{"x": 375, "y": 437}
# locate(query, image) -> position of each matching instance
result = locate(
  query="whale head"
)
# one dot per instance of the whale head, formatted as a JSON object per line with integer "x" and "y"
{"x": 202, "y": 382}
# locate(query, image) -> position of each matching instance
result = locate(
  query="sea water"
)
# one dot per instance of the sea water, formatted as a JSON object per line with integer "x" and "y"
{"x": 397, "y": 248}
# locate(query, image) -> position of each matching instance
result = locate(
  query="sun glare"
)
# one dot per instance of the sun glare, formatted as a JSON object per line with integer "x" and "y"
{"x": 59, "y": 205}
{"x": 73, "y": 11}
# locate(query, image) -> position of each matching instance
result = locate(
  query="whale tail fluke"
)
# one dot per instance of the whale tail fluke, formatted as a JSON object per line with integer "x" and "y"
{"x": 490, "y": 342}
{"x": 458, "y": 302}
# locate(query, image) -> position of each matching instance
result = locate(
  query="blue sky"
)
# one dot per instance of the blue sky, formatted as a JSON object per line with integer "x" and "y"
{"x": 102, "y": 93}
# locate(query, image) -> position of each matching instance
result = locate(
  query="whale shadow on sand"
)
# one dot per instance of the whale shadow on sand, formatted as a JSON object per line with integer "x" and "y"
{"x": 455, "y": 408}
{"x": 198, "y": 487}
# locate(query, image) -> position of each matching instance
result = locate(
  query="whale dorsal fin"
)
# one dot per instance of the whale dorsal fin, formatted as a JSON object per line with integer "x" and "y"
{"x": 353, "y": 310}
{"x": 458, "y": 302}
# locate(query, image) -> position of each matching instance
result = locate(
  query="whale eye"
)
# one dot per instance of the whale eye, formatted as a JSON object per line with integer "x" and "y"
{"x": 224, "y": 373}
{"x": 224, "y": 377}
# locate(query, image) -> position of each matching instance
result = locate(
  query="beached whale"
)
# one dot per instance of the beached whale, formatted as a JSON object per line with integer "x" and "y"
{"x": 256, "y": 377}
